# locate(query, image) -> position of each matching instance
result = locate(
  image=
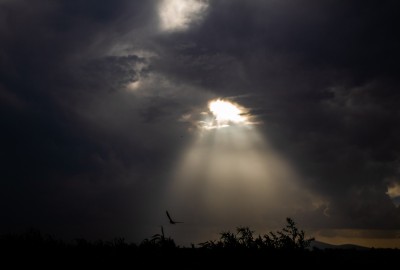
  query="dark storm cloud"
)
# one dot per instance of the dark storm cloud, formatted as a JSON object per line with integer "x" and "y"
{"x": 57, "y": 163}
{"x": 79, "y": 149}
{"x": 112, "y": 73}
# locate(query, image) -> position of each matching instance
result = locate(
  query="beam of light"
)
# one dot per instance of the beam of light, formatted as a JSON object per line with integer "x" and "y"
{"x": 177, "y": 15}
{"x": 230, "y": 176}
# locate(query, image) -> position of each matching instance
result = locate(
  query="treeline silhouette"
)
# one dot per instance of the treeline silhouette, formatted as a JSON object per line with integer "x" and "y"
{"x": 288, "y": 245}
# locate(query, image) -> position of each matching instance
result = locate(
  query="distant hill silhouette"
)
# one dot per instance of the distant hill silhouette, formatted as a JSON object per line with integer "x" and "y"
{"x": 322, "y": 245}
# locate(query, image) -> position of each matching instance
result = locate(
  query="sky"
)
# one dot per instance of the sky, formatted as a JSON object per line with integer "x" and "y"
{"x": 107, "y": 119}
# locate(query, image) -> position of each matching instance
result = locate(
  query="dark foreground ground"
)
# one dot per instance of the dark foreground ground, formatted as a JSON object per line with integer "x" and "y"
{"x": 133, "y": 257}
{"x": 284, "y": 249}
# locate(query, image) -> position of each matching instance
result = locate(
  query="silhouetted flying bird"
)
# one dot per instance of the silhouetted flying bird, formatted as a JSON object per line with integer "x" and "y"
{"x": 171, "y": 220}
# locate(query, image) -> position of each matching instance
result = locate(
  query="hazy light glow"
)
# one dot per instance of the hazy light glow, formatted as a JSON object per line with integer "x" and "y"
{"x": 134, "y": 85}
{"x": 177, "y": 15}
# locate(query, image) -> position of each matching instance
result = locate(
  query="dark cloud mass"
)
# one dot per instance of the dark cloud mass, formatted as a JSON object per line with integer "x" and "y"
{"x": 96, "y": 99}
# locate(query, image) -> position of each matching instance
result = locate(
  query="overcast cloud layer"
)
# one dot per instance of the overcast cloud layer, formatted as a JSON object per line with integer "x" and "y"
{"x": 93, "y": 93}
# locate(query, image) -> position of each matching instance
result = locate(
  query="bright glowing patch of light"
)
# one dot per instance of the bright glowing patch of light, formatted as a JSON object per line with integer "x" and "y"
{"x": 226, "y": 111}
{"x": 224, "y": 114}
{"x": 134, "y": 85}
{"x": 176, "y": 15}
{"x": 393, "y": 190}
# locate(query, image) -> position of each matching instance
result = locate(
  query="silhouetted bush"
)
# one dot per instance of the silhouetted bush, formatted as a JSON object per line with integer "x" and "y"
{"x": 289, "y": 238}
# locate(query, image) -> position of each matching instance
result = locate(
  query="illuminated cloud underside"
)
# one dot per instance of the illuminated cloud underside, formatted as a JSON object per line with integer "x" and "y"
{"x": 177, "y": 15}
{"x": 394, "y": 193}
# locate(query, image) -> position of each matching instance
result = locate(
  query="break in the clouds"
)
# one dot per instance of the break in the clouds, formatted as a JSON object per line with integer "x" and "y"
{"x": 103, "y": 105}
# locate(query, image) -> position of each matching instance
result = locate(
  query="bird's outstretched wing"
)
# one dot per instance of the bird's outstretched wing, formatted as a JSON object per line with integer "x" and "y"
{"x": 169, "y": 217}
